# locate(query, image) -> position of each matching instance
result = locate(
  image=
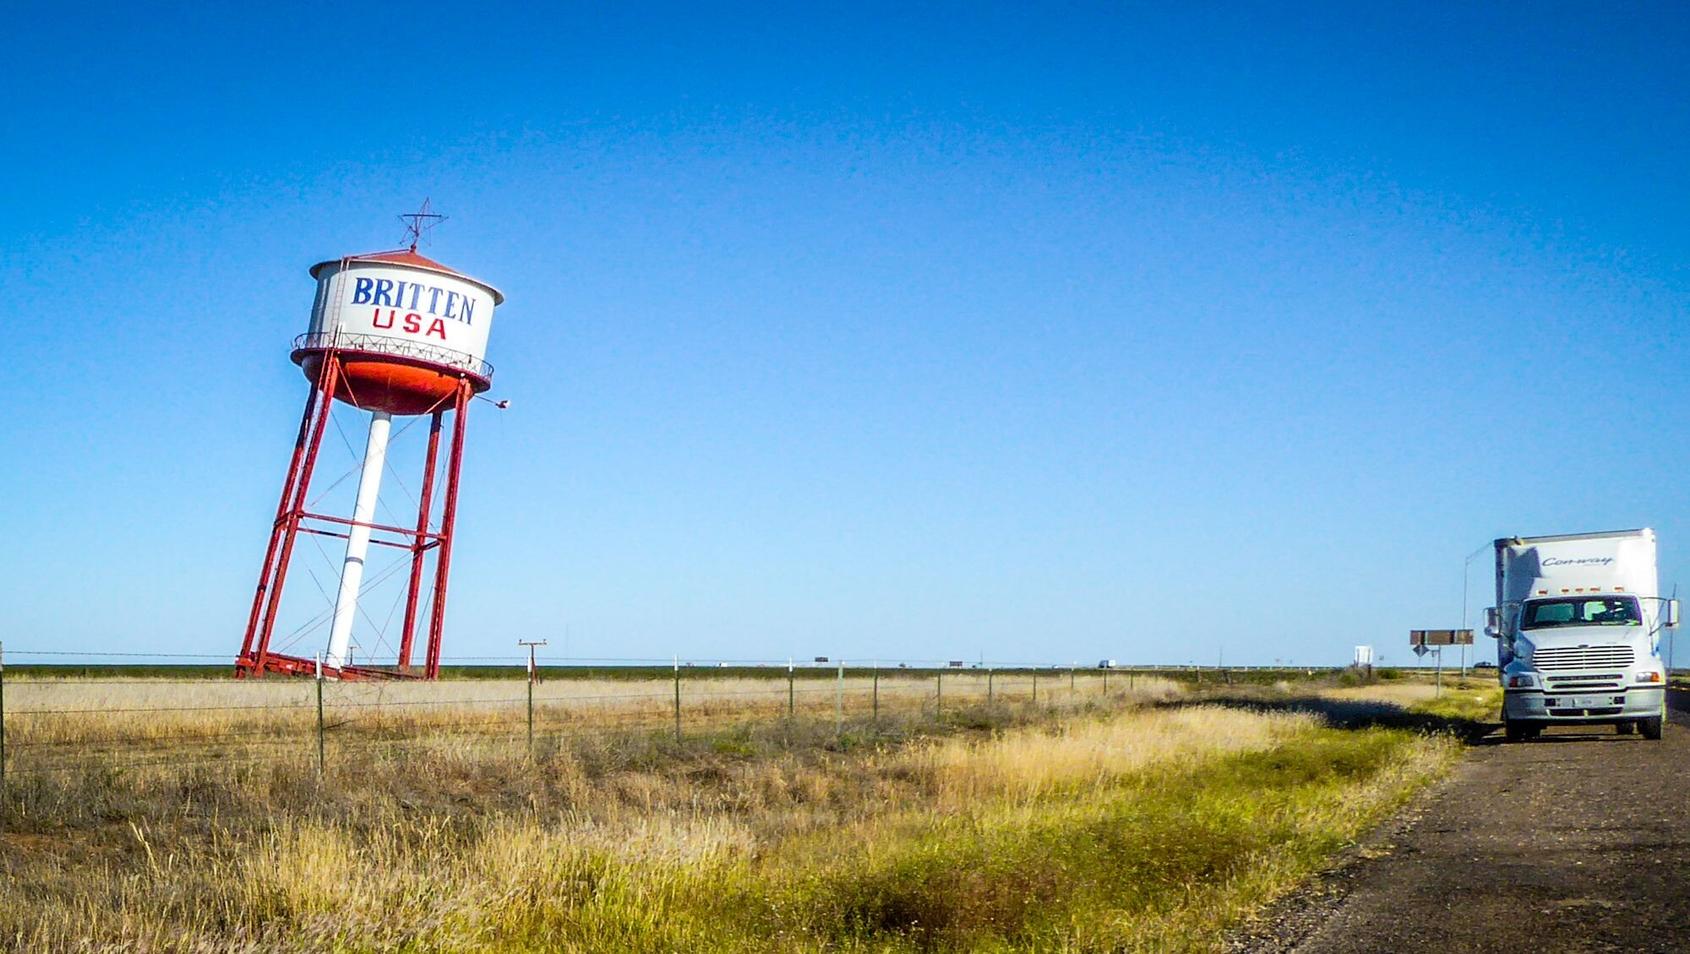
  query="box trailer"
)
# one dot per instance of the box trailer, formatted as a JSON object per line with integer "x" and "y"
{"x": 1578, "y": 622}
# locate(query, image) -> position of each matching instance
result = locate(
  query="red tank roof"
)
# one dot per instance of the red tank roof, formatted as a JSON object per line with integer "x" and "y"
{"x": 409, "y": 256}
{"x": 404, "y": 256}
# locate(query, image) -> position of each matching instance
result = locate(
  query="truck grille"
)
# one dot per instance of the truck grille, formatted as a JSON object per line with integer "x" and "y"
{"x": 1554, "y": 658}
{"x": 1571, "y": 683}
{"x": 1588, "y": 713}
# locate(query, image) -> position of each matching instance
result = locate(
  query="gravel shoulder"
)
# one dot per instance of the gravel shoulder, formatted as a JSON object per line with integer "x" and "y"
{"x": 1578, "y": 842}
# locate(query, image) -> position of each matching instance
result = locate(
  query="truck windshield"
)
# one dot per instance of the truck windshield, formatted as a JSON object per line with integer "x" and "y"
{"x": 1581, "y": 611}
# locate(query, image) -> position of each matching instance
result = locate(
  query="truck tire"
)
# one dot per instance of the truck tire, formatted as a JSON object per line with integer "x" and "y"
{"x": 1514, "y": 732}
{"x": 1650, "y": 727}
{"x": 1625, "y": 728}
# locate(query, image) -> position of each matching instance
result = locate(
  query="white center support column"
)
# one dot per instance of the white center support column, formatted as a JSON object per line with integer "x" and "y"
{"x": 358, "y": 539}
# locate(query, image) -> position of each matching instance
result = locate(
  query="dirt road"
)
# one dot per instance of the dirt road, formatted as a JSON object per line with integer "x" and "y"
{"x": 1578, "y": 842}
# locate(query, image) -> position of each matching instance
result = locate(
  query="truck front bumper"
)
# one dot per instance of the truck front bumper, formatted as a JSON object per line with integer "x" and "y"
{"x": 1601, "y": 706}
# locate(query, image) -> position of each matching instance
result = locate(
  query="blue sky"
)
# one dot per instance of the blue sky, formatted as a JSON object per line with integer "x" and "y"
{"x": 937, "y": 331}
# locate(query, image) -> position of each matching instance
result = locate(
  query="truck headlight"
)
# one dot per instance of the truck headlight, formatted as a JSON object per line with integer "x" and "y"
{"x": 1651, "y": 675}
{"x": 1522, "y": 680}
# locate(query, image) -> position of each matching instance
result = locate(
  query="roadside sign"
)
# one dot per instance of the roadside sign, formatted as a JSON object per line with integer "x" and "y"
{"x": 1420, "y": 649}
{"x": 1440, "y": 637}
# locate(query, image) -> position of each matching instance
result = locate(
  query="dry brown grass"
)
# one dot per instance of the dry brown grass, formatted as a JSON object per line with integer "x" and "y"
{"x": 1032, "y": 763}
{"x": 754, "y": 833}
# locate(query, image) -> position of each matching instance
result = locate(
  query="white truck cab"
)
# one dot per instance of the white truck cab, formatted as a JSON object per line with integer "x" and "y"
{"x": 1578, "y": 622}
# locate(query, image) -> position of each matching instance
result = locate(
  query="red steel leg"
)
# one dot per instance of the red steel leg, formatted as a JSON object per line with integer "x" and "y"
{"x": 330, "y": 379}
{"x": 448, "y": 517}
{"x": 419, "y": 549}
{"x": 277, "y": 527}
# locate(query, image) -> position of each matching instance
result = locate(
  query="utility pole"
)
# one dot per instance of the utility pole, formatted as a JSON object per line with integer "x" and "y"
{"x": 1466, "y": 574}
{"x": 533, "y": 676}
{"x": 533, "y": 669}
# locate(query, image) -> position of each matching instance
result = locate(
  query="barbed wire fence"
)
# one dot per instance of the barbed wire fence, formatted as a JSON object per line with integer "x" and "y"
{"x": 62, "y": 711}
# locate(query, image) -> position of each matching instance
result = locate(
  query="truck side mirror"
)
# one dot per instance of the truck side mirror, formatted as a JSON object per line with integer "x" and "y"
{"x": 1493, "y": 622}
{"x": 1672, "y": 614}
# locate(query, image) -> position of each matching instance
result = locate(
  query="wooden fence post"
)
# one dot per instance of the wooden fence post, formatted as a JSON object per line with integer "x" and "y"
{"x": 2, "y": 717}
{"x": 321, "y": 753}
{"x": 877, "y": 693}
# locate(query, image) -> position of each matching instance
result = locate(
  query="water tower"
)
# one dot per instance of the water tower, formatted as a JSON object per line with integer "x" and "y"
{"x": 393, "y": 334}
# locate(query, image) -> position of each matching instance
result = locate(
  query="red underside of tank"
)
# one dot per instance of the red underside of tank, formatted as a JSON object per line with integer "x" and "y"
{"x": 384, "y": 383}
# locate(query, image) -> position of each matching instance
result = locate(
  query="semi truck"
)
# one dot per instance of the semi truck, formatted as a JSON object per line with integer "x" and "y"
{"x": 1578, "y": 622}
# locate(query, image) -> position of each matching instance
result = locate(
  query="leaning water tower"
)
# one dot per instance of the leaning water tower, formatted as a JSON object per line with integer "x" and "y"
{"x": 392, "y": 334}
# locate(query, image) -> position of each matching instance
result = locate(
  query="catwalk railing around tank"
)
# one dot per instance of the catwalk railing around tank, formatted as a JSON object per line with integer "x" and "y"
{"x": 392, "y": 347}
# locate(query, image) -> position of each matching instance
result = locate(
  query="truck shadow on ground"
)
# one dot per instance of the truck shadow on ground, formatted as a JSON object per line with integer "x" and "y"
{"x": 1363, "y": 714}
{"x": 1355, "y": 714}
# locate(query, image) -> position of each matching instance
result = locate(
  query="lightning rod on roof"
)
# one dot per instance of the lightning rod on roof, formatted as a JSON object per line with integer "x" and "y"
{"x": 418, "y": 223}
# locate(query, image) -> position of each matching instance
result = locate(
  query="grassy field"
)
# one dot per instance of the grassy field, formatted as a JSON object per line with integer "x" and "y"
{"x": 1153, "y": 817}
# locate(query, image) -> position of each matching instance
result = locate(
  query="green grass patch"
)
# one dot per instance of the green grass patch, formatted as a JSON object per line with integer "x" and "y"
{"x": 1472, "y": 700}
{"x": 1142, "y": 863}
{"x": 1165, "y": 860}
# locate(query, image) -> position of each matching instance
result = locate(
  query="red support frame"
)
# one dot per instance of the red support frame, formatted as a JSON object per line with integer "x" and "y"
{"x": 448, "y": 520}
{"x": 419, "y": 549}
{"x": 282, "y": 511}
{"x": 256, "y": 658}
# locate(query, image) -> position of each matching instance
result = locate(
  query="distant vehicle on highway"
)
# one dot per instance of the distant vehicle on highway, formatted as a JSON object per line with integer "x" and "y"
{"x": 1484, "y": 664}
{"x": 1578, "y": 622}
{"x": 1106, "y": 664}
